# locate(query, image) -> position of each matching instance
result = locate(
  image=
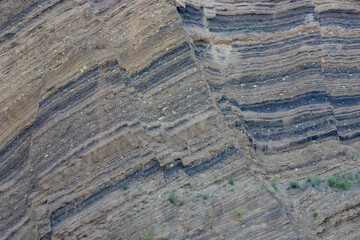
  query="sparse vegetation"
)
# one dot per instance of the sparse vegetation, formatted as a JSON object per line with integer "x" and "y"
{"x": 238, "y": 213}
{"x": 331, "y": 181}
{"x": 101, "y": 227}
{"x": 125, "y": 185}
{"x": 339, "y": 182}
{"x": 148, "y": 235}
{"x": 231, "y": 179}
{"x": 294, "y": 184}
{"x": 308, "y": 179}
{"x": 210, "y": 221}
{"x": 315, "y": 214}
{"x": 273, "y": 183}
{"x": 314, "y": 181}
{"x": 203, "y": 196}
{"x": 267, "y": 25}
{"x": 173, "y": 198}
{"x": 263, "y": 187}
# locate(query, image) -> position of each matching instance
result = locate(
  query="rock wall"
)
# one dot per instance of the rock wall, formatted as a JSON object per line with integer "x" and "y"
{"x": 181, "y": 119}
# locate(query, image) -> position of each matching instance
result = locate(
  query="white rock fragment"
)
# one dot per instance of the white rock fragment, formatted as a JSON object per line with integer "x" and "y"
{"x": 83, "y": 68}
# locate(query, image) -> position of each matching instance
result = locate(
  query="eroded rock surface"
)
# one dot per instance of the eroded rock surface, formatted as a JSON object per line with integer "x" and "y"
{"x": 181, "y": 119}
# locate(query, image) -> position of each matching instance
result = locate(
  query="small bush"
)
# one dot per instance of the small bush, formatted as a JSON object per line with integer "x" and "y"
{"x": 339, "y": 183}
{"x": 294, "y": 184}
{"x": 172, "y": 197}
{"x": 148, "y": 235}
{"x": 263, "y": 188}
{"x": 315, "y": 181}
{"x": 315, "y": 214}
{"x": 308, "y": 179}
{"x": 204, "y": 196}
{"x": 331, "y": 181}
{"x": 238, "y": 213}
{"x": 343, "y": 184}
{"x": 231, "y": 179}
{"x": 125, "y": 185}
{"x": 101, "y": 227}
{"x": 210, "y": 221}
{"x": 273, "y": 183}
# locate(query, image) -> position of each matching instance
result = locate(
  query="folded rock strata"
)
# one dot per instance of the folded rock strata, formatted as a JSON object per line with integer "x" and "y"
{"x": 109, "y": 107}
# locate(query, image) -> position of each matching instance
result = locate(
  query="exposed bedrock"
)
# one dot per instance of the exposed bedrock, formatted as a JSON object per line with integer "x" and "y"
{"x": 287, "y": 70}
{"x": 180, "y": 119}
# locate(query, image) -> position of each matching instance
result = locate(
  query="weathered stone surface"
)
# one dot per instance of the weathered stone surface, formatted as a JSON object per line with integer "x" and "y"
{"x": 107, "y": 107}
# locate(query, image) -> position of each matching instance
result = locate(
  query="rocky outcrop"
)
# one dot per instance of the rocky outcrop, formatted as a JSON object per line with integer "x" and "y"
{"x": 181, "y": 119}
{"x": 288, "y": 73}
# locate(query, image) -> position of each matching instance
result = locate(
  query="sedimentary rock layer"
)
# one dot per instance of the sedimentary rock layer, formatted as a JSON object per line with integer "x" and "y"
{"x": 290, "y": 67}
{"x": 125, "y": 118}
{"x": 287, "y": 72}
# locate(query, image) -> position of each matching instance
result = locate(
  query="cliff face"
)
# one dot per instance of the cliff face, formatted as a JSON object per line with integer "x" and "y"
{"x": 181, "y": 119}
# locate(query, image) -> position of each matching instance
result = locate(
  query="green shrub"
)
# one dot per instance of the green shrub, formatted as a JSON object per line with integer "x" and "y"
{"x": 332, "y": 181}
{"x": 342, "y": 183}
{"x": 315, "y": 214}
{"x": 339, "y": 182}
{"x": 172, "y": 197}
{"x": 101, "y": 227}
{"x": 125, "y": 185}
{"x": 204, "y": 196}
{"x": 148, "y": 235}
{"x": 210, "y": 221}
{"x": 231, "y": 179}
{"x": 308, "y": 179}
{"x": 263, "y": 187}
{"x": 273, "y": 183}
{"x": 294, "y": 184}
{"x": 315, "y": 181}
{"x": 238, "y": 213}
